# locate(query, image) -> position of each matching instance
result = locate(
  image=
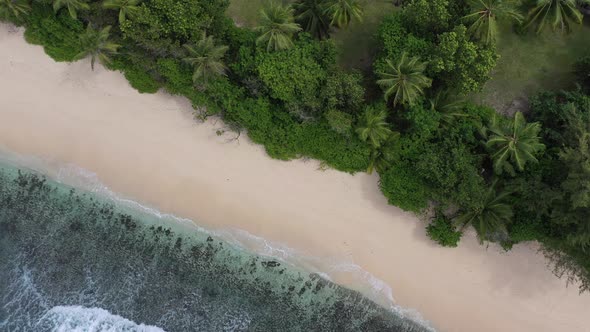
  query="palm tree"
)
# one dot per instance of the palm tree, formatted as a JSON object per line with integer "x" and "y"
{"x": 14, "y": 8}
{"x": 449, "y": 105}
{"x": 382, "y": 157}
{"x": 96, "y": 44}
{"x": 373, "y": 127}
{"x": 73, "y": 6}
{"x": 277, "y": 27}
{"x": 404, "y": 80}
{"x": 490, "y": 217}
{"x": 559, "y": 14}
{"x": 485, "y": 14}
{"x": 125, "y": 7}
{"x": 343, "y": 12}
{"x": 206, "y": 59}
{"x": 515, "y": 142}
{"x": 311, "y": 15}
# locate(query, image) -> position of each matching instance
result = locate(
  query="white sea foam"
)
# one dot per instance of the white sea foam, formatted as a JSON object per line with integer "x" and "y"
{"x": 81, "y": 319}
{"x": 327, "y": 267}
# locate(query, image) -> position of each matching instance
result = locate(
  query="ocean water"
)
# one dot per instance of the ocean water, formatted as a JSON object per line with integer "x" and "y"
{"x": 72, "y": 260}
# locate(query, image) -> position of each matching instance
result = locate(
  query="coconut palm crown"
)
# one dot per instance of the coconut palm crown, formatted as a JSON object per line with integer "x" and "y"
{"x": 404, "y": 79}
{"x": 16, "y": 8}
{"x": 311, "y": 14}
{"x": 126, "y": 8}
{"x": 96, "y": 44}
{"x": 513, "y": 144}
{"x": 206, "y": 59}
{"x": 485, "y": 14}
{"x": 73, "y": 6}
{"x": 373, "y": 127}
{"x": 276, "y": 27}
{"x": 558, "y": 14}
{"x": 490, "y": 217}
{"x": 342, "y": 12}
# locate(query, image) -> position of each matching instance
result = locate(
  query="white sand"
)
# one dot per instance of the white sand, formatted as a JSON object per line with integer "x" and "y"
{"x": 149, "y": 148}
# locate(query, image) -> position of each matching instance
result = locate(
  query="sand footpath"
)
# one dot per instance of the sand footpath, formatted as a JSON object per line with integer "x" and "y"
{"x": 149, "y": 148}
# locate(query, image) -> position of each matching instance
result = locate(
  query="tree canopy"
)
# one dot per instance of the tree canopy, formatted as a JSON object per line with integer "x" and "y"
{"x": 513, "y": 143}
{"x": 277, "y": 27}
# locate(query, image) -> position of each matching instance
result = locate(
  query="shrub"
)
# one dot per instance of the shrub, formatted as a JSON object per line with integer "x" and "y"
{"x": 340, "y": 122}
{"x": 427, "y": 17}
{"x": 521, "y": 231}
{"x": 404, "y": 188}
{"x": 317, "y": 140}
{"x": 395, "y": 39}
{"x": 460, "y": 63}
{"x": 344, "y": 92}
{"x": 442, "y": 231}
{"x": 58, "y": 34}
{"x": 294, "y": 76}
{"x": 138, "y": 78}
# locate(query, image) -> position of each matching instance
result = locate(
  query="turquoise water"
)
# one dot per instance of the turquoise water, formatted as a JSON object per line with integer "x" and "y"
{"x": 74, "y": 261}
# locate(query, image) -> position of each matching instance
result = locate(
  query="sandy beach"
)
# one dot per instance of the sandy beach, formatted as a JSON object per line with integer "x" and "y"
{"x": 149, "y": 148}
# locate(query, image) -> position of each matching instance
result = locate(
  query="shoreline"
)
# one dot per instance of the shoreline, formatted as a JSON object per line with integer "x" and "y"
{"x": 86, "y": 182}
{"x": 149, "y": 148}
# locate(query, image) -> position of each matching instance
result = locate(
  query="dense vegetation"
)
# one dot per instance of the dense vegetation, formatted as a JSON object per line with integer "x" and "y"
{"x": 517, "y": 178}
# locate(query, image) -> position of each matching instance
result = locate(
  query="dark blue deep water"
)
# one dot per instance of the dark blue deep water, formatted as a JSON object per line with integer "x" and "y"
{"x": 72, "y": 261}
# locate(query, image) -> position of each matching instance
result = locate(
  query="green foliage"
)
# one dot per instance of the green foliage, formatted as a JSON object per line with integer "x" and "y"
{"x": 277, "y": 27}
{"x": 535, "y": 194}
{"x": 514, "y": 143}
{"x": 559, "y": 14}
{"x": 138, "y": 77}
{"x": 489, "y": 218}
{"x": 460, "y": 63}
{"x": 396, "y": 39}
{"x": 294, "y": 76}
{"x": 342, "y": 12}
{"x": 73, "y": 6}
{"x": 96, "y": 44}
{"x": 525, "y": 231}
{"x": 404, "y": 188}
{"x": 570, "y": 262}
{"x": 373, "y": 126}
{"x": 339, "y": 121}
{"x": 162, "y": 26}
{"x": 484, "y": 18}
{"x": 14, "y": 10}
{"x": 383, "y": 157}
{"x": 206, "y": 59}
{"x": 58, "y": 34}
{"x": 126, "y": 8}
{"x": 574, "y": 206}
{"x": 427, "y": 18}
{"x": 344, "y": 92}
{"x": 178, "y": 76}
{"x": 318, "y": 141}
{"x": 553, "y": 111}
{"x": 311, "y": 15}
{"x": 404, "y": 80}
{"x": 444, "y": 159}
{"x": 449, "y": 106}
{"x": 442, "y": 231}
{"x": 564, "y": 183}
{"x": 452, "y": 170}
